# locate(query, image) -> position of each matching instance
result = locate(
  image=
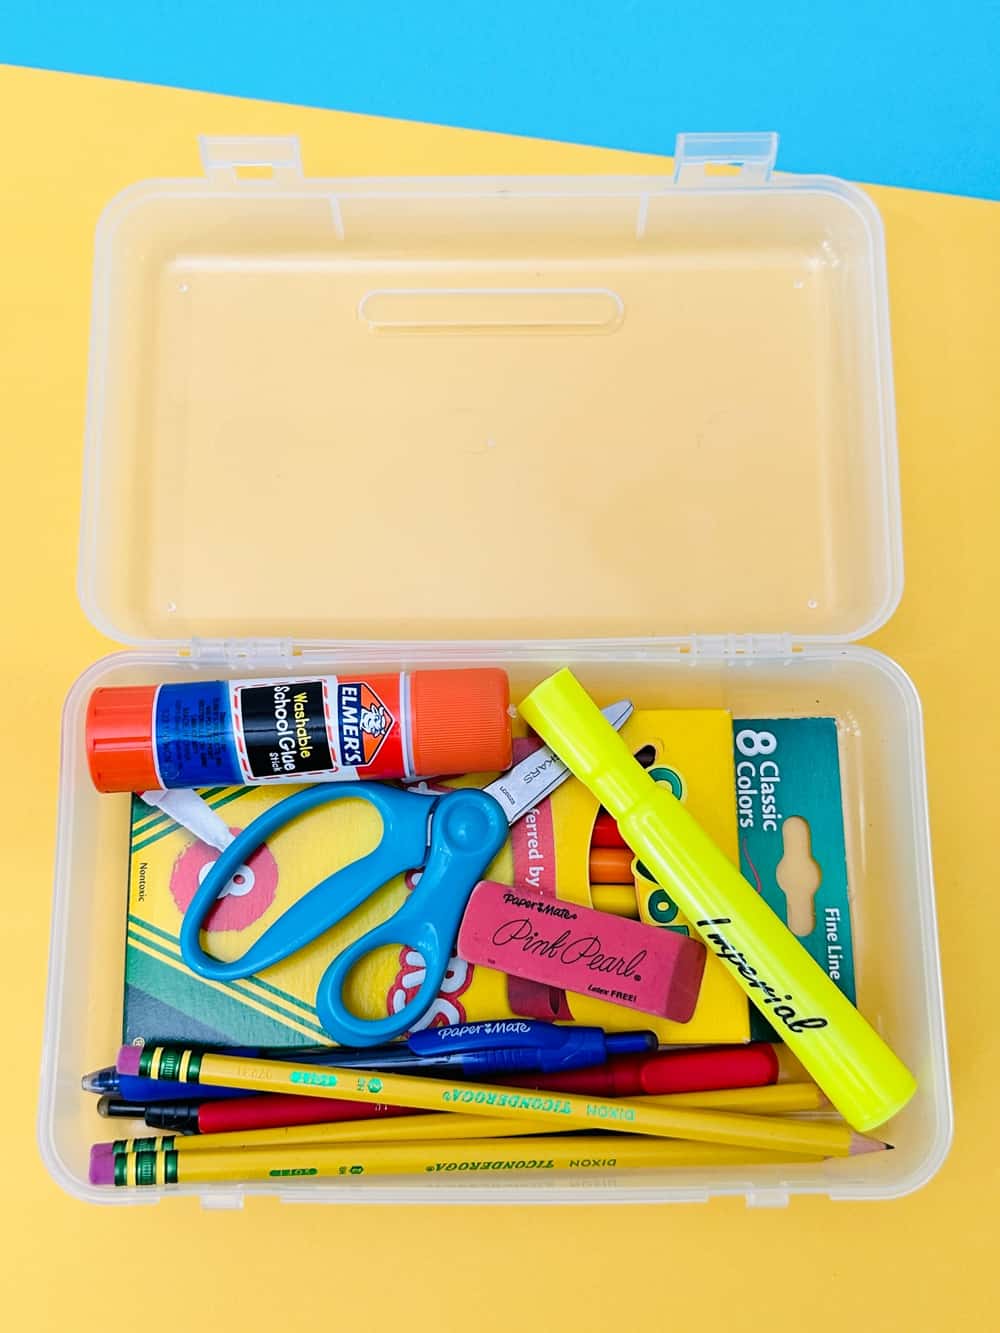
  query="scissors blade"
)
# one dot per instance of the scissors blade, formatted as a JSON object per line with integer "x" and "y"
{"x": 522, "y": 787}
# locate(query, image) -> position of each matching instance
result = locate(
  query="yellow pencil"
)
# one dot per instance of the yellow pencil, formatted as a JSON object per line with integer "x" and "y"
{"x": 588, "y": 1152}
{"x": 562, "y": 1110}
{"x": 771, "y": 1099}
{"x": 775, "y": 1099}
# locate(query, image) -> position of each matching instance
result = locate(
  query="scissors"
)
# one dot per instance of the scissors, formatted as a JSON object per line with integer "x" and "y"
{"x": 450, "y": 837}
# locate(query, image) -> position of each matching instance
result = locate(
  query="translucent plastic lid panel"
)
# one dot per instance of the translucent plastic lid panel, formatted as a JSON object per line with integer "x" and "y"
{"x": 328, "y": 409}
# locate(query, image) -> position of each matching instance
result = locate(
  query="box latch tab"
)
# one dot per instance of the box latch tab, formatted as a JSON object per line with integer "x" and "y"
{"x": 724, "y": 159}
{"x": 229, "y": 158}
{"x": 767, "y": 1197}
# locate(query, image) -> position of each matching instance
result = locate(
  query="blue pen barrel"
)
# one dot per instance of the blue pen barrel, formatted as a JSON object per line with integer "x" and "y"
{"x": 131, "y": 1088}
{"x": 506, "y": 1060}
{"x": 527, "y": 1046}
{"x": 109, "y": 1082}
{"x": 631, "y": 1043}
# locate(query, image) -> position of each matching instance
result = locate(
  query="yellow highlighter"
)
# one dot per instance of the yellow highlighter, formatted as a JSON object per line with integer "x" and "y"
{"x": 862, "y": 1077}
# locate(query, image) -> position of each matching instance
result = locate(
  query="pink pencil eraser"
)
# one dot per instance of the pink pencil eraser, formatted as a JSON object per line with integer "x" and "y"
{"x": 527, "y": 934}
{"x": 128, "y": 1059}
{"x": 102, "y": 1165}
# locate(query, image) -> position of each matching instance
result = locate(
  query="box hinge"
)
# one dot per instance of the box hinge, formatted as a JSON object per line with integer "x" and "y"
{"x": 231, "y": 158}
{"x": 223, "y": 1201}
{"x": 724, "y": 159}
{"x": 243, "y": 654}
{"x": 767, "y": 1198}
{"x": 741, "y": 645}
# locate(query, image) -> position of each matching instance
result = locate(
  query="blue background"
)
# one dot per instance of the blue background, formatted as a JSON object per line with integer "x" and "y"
{"x": 878, "y": 90}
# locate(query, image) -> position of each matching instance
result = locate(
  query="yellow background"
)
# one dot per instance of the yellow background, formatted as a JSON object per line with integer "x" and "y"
{"x": 920, "y": 1263}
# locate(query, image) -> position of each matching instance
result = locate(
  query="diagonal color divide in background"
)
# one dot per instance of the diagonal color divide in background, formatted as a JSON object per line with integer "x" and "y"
{"x": 890, "y": 92}
{"x": 923, "y": 1263}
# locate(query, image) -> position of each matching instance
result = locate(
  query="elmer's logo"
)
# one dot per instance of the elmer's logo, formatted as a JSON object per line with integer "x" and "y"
{"x": 364, "y": 723}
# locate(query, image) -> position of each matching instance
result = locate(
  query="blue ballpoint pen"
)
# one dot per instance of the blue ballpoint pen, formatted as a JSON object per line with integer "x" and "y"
{"x": 108, "y": 1082}
{"x": 507, "y": 1045}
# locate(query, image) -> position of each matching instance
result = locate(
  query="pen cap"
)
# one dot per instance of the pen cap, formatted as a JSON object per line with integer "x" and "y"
{"x": 570, "y": 723}
{"x": 751, "y": 1066}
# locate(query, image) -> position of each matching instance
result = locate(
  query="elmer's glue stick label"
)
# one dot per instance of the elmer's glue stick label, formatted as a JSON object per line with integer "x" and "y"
{"x": 285, "y": 730}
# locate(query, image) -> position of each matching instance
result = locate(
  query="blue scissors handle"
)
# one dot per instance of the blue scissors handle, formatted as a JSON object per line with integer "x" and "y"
{"x": 403, "y": 846}
{"x": 468, "y": 828}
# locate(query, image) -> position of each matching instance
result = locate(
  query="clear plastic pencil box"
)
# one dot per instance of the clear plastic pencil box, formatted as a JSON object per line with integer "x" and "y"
{"x": 641, "y": 426}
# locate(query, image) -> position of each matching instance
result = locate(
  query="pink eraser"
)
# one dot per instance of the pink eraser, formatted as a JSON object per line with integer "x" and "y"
{"x": 526, "y": 933}
{"x": 102, "y": 1165}
{"x": 128, "y": 1059}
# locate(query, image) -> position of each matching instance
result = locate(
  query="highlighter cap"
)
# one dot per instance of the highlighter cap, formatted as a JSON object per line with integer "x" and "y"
{"x": 461, "y": 721}
{"x": 119, "y": 738}
{"x": 571, "y": 724}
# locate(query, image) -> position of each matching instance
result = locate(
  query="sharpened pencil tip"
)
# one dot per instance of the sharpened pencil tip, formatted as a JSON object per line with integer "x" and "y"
{"x": 860, "y": 1143}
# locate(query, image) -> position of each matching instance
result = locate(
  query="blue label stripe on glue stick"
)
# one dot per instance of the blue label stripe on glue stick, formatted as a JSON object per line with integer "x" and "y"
{"x": 193, "y": 736}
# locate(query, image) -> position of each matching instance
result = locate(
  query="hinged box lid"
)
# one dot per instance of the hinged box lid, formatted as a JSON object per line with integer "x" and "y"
{"x": 574, "y": 407}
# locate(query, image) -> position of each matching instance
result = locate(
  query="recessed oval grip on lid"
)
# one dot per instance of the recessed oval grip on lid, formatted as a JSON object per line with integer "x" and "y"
{"x": 492, "y": 310}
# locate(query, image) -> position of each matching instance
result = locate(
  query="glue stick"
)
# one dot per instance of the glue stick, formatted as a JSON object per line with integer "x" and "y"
{"x": 321, "y": 729}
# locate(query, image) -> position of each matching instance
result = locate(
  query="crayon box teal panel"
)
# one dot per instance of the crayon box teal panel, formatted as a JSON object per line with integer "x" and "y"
{"x": 789, "y": 768}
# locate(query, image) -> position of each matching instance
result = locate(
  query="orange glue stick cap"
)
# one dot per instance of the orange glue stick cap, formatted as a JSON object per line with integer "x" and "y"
{"x": 120, "y": 738}
{"x": 461, "y": 721}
